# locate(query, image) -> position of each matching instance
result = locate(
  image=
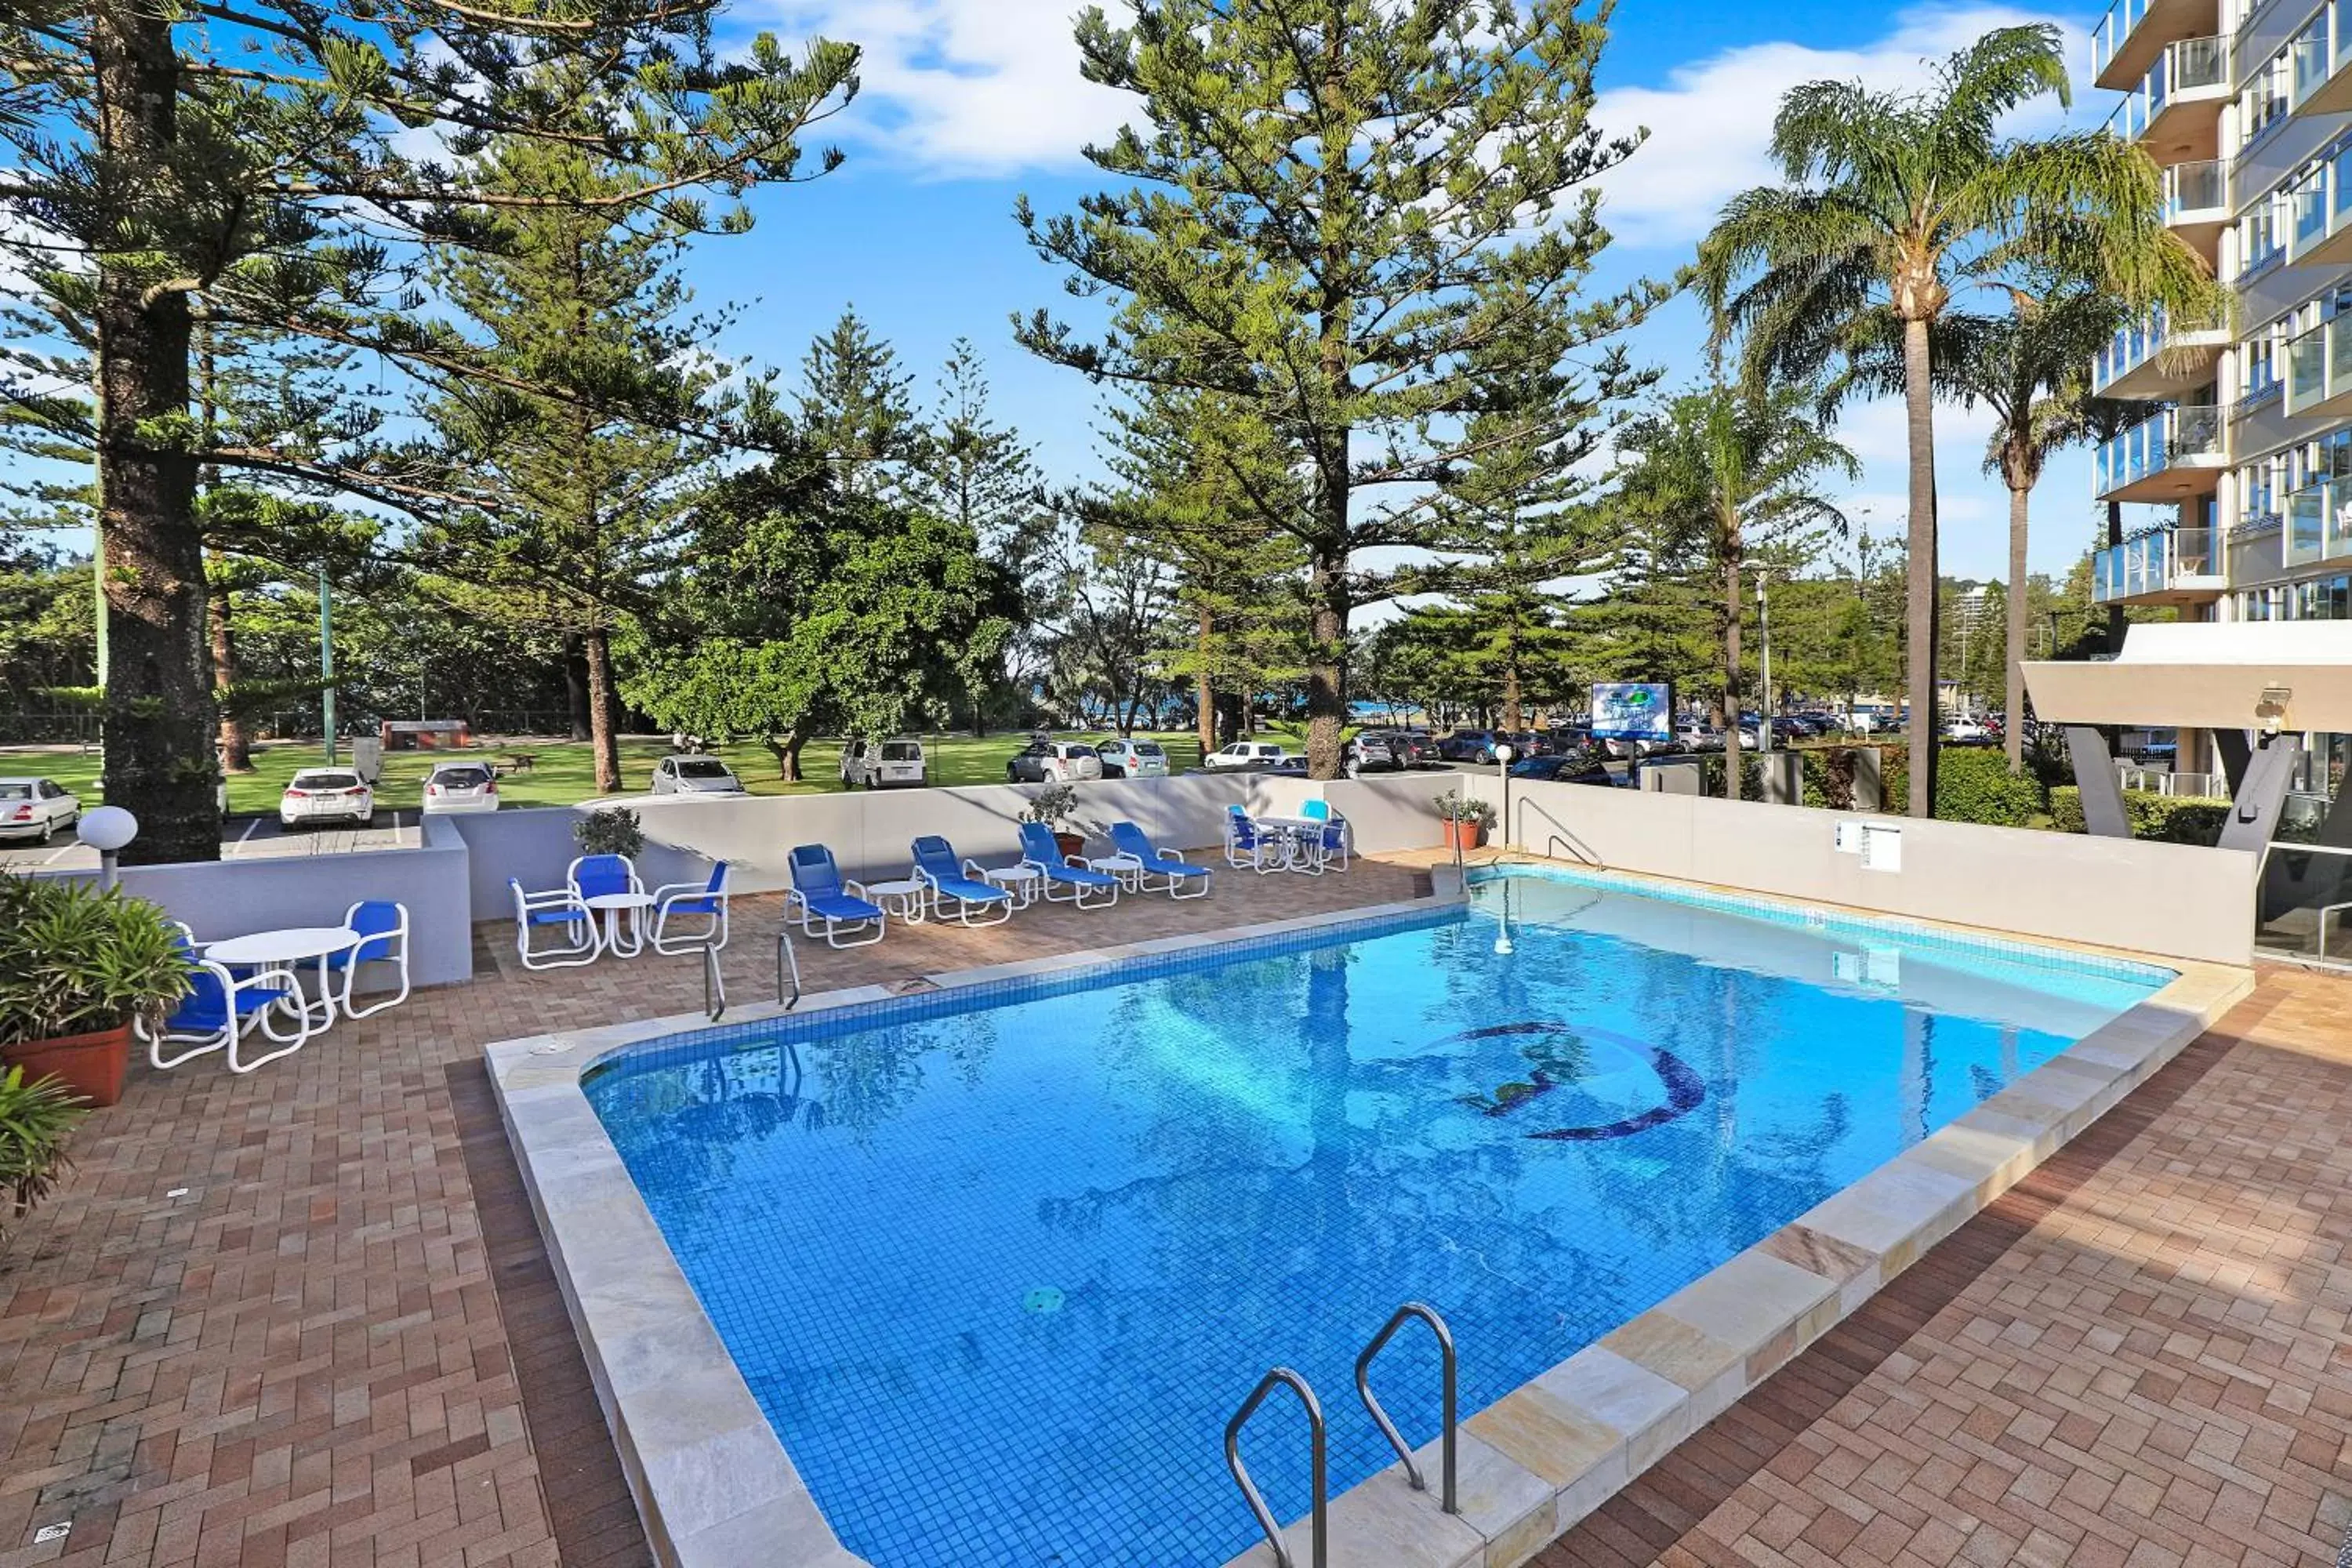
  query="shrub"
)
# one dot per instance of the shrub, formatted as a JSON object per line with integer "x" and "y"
{"x": 35, "y": 1120}
{"x": 614, "y": 830}
{"x": 2166, "y": 818}
{"x": 1455, "y": 806}
{"x": 1053, "y": 806}
{"x": 77, "y": 959}
{"x": 1977, "y": 786}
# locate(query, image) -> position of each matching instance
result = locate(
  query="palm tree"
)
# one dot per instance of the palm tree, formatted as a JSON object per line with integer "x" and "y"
{"x": 1893, "y": 201}
{"x": 1727, "y": 471}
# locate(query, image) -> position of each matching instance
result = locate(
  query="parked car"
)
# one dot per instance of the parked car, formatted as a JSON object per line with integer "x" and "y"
{"x": 1968, "y": 732}
{"x": 879, "y": 764}
{"x": 454, "y": 788}
{"x": 1469, "y": 746}
{"x": 1244, "y": 754}
{"x": 36, "y": 809}
{"x": 1568, "y": 767}
{"x": 1132, "y": 759}
{"x": 1054, "y": 761}
{"x": 1404, "y": 748}
{"x": 1369, "y": 749}
{"x": 695, "y": 773}
{"x": 325, "y": 795}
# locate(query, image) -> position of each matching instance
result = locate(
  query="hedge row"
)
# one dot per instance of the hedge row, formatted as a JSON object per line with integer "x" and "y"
{"x": 1971, "y": 785}
{"x": 2167, "y": 818}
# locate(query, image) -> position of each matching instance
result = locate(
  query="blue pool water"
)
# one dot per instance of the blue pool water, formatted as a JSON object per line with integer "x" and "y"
{"x": 998, "y": 1269}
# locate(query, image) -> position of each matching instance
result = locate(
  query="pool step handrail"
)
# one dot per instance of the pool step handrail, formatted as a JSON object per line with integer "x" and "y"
{"x": 714, "y": 985}
{"x": 1283, "y": 1377}
{"x": 787, "y": 959}
{"x": 1407, "y": 1313}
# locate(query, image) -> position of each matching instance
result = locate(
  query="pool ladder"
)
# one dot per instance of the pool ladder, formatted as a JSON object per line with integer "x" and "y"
{"x": 788, "y": 978}
{"x": 1283, "y": 1377}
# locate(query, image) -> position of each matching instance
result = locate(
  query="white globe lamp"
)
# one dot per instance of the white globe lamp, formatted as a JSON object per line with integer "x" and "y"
{"x": 105, "y": 830}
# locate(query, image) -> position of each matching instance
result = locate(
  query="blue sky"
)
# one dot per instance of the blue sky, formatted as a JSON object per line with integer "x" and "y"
{"x": 968, "y": 103}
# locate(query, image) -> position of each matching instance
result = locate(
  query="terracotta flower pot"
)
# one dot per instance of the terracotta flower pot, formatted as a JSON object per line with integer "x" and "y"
{"x": 1070, "y": 843}
{"x": 93, "y": 1066}
{"x": 1464, "y": 834}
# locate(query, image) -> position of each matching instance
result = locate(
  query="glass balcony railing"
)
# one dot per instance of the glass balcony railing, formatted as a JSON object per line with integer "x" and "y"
{"x": 2134, "y": 346}
{"x": 2113, "y": 28}
{"x": 2201, "y": 187}
{"x": 2319, "y": 367}
{"x": 2154, "y": 445}
{"x": 2183, "y": 67}
{"x": 2323, "y": 48}
{"x": 2318, "y": 522}
{"x": 2154, "y": 561}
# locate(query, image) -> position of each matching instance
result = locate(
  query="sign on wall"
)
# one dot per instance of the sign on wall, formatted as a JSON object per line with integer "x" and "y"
{"x": 1634, "y": 709}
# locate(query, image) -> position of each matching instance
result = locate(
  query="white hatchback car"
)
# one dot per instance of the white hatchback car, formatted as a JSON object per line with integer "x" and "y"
{"x": 1244, "y": 754}
{"x": 1132, "y": 759}
{"x": 452, "y": 788}
{"x": 326, "y": 794}
{"x": 695, "y": 774}
{"x": 878, "y": 764}
{"x": 36, "y": 809}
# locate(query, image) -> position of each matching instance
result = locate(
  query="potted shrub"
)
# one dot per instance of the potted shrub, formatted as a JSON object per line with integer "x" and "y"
{"x": 1053, "y": 805}
{"x": 78, "y": 965}
{"x": 1466, "y": 819}
{"x": 36, "y": 1115}
{"x": 614, "y": 830}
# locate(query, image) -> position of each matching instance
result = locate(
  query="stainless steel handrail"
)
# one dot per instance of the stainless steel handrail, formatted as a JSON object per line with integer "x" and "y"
{"x": 714, "y": 985}
{"x": 1281, "y": 1377}
{"x": 1403, "y": 1315}
{"x": 786, "y": 954}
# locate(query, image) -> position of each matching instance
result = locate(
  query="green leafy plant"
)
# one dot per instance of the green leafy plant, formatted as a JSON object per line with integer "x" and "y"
{"x": 1455, "y": 806}
{"x": 614, "y": 830}
{"x": 76, "y": 958}
{"x": 1976, "y": 785}
{"x": 1053, "y": 806}
{"x": 35, "y": 1119}
{"x": 2166, "y": 818}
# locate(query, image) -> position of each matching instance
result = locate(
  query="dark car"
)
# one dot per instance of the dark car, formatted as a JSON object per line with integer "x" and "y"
{"x": 1469, "y": 746}
{"x": 1412, "y": 748}
{"x": 1568, "y": 767}
{"x": 1372, "y": 749}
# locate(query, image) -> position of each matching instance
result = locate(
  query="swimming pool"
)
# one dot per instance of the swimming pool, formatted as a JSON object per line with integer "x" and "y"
{"x": 997, "y": 1266}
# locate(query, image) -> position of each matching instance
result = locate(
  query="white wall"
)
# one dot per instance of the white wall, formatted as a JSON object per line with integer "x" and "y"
{"x": 2176, "y": 899}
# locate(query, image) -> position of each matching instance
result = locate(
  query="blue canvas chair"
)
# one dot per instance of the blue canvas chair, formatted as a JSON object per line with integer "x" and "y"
{"x": 217, "y": 1011}
{"x": 558, "y": 910}
{"x": 595, "y": 875}
{"x": 702, "y": 902}
{"x": 1166, "y": 865}
{"x": 820, "y": 893}
{"x": 386, "y": 926}
{"x": 1318, "y": 849}
{"x": 1038, "y": 849}
{"x": 1248, "y": 844}
{"x": 958, "y": 886}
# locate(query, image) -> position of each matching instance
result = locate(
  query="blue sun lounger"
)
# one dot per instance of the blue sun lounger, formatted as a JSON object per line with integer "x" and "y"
{"x": 956, "y": 885}
{"x": 1175, "y": 873}
{"x": 1038, "y": 849}
{"x": 819, "y": 893}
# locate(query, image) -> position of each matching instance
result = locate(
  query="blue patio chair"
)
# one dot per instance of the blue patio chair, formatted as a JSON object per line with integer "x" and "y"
{"x": 386, "y": 926}
{"x": 961, "y": 882}
{"x": 1171, "y": 867}
{"x": 820, "y": 892}
{"x": 707, "y": 900}
{"x": 215, "y": 1014}
{"x": 557, "y": 909}
{"x": 596, "y": 876}
{"x": 1038, "y": 849}
{"x": 1316, "y": 810}
{"x": 1248, "y": 844}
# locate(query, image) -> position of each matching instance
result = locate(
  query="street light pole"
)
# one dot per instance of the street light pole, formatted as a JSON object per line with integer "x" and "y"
{"x": 327, "y": 661}
{"x": 1764, "y": 702}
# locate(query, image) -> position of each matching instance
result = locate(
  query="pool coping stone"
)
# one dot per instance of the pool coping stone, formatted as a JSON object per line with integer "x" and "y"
{"x": 715, "y": 1488}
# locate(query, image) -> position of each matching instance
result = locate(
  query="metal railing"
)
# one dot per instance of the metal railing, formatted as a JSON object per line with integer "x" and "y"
{"x": 2319, "y": 365}
{"x": 2318, "y": 525}
{"x": 2153, "y": 562}
{"x": 1283, "y": 1377}
{"x": 2113, "y": 28}
{"x": 1410, "y": 1312}
{"x": 2323, "y": 48}
{"x": 788, "y": 978}
{"x": 2319, "y": 204}
{"x": 2200, "y": 186}
{"x": 2184, "y": 66}
{"x": 714, "y": 985}
{"x": 2188, "y": 430}
{"x": 2137, "y": 342}
{"x": 787, "y": 956}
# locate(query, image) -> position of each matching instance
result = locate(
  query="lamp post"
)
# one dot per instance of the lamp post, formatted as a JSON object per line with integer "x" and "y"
{"x": 107, "y": 829}
{"x": 1503, "y": 771}
{"x": 327, "y": 660}
{"x": 1764, "y": 631}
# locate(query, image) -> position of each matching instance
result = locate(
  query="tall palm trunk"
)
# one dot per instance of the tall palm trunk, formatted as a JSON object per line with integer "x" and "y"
{"x": 1919, "y": 617}
{"x": 2013, "y": 727}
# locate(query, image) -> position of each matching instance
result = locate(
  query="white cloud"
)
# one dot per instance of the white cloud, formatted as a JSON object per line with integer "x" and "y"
{"x": 963, "y": 86}
{"x": 1711, "y": 124}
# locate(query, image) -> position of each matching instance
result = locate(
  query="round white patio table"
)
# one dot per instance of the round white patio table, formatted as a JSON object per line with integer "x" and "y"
{"x": 281, "y": 952}
{"x": 909, "y": 894}
{"x": 1021, "y": 881}
{"x": 1295, "y": 831}
{"x": 613, "y": 904}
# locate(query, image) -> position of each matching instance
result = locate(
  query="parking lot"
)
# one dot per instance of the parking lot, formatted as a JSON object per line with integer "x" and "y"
{"x": 241, "y": 838}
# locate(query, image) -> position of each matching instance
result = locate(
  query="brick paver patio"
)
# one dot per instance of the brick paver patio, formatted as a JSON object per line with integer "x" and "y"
{"x": 302, "y": 1317}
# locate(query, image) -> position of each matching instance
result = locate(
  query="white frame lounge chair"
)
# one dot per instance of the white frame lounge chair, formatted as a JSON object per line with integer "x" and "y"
{"x": 964, "y": 886}
{"x": 839, "y": 902}
{"x": 1174, "y": 873}
{"x": 555, "y": 907}
{"x": 385, "y": 944}
{"x": 1039, "y": 849}
{"x": 707, "y": 898}
{"x": 1250, "y": 847}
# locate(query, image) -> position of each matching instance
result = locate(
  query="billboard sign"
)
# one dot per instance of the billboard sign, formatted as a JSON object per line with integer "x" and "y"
{"x": 1632, "y": 711}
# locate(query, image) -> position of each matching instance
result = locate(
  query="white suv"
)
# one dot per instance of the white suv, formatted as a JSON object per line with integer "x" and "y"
{"x": 1132, "y": 760}
{"x": 877, "y": 764}
{"x": 1244, "y": 754}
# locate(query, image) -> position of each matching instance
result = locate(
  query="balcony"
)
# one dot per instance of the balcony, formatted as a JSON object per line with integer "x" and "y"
{"x": 2322, "y": 57}
{"x": 2162, "y": 566}
{"x": 2134, "y": 32}
{"x": 2175, "y": 111}
{"x": 2319, "y": 227}
{"x": 2318, "y": 523}
{"x": 2175, "y": 455}
{"x": 2158, "y": 359}
{"x": 2319, "y": 370}
{"x": 2196, "y": 204}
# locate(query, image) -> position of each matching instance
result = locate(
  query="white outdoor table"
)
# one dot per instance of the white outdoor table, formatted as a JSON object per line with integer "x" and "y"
{"x": 909, "y": 894}
{"x": 1128, "y": 868}
{"x": 1021, "y": 881}
{"x": 1293, "y": 829}
{"x": 279, "y": 952}
{"x": 612, "y": 904}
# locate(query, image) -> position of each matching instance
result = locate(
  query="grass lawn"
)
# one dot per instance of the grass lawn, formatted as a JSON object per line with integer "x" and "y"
{"x": 562, "y": 772}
